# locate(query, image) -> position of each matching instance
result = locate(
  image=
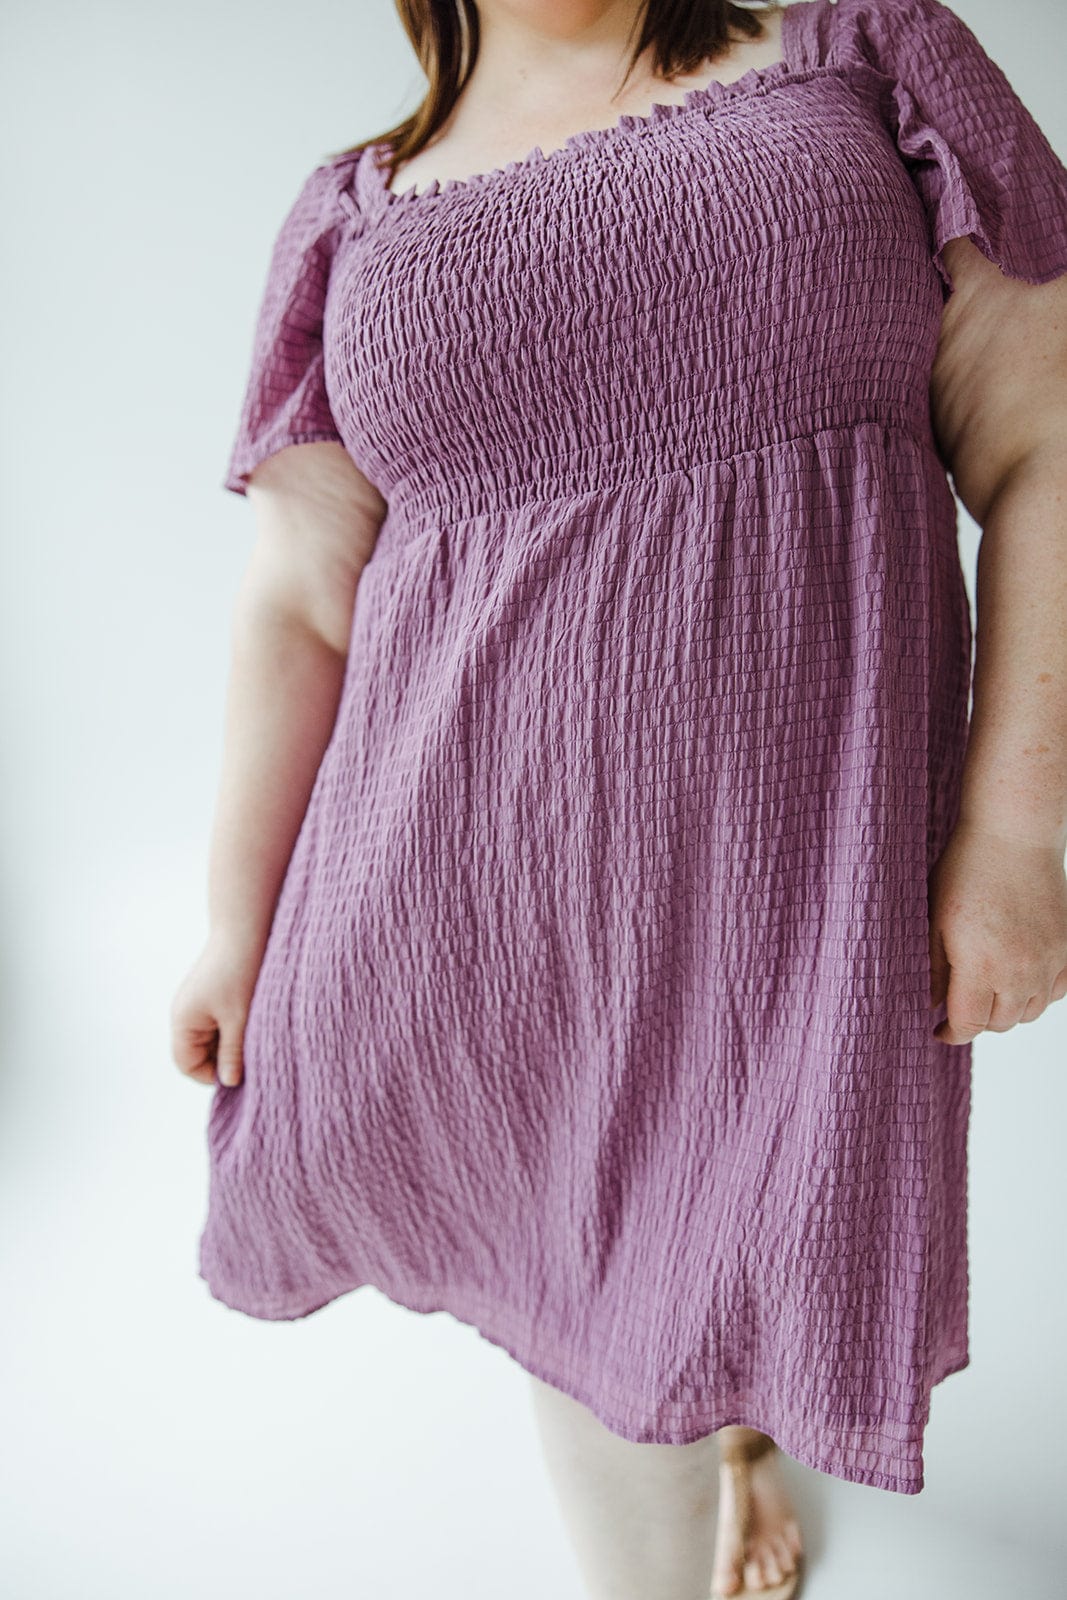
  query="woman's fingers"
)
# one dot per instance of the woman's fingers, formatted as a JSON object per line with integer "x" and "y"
{"x": 193, "y": 1040}
{"x": 969, "y": 1005}
{"x": 230, "y": 1054}
{"x": 209, "y": 1011}
{"x": 939, "y": 969}
{"x": 998, "y": 933}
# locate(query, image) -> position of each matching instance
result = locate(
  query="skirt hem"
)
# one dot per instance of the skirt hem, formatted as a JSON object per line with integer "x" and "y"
{"x": 293, "y": 1308}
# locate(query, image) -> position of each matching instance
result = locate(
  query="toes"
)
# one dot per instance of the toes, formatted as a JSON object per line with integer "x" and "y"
{"x": 764, "y": 1569}
{"x": 754, "y": 1573}
{"x": 772, "y": 1571}
{"x": 784, "y": 1553}
{"x": 727, "y": 1580}
{"x": 791, "y": 1530}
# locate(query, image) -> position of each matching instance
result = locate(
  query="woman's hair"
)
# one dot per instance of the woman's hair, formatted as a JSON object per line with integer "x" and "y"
{"x": 444, "y": 33}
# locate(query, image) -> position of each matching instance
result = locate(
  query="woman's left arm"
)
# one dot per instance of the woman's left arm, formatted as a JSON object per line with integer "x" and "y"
{"x": 998, "y": 892}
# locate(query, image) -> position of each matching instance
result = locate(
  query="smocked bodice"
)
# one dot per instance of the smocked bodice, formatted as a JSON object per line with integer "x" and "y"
{"x": 585, "y": 317}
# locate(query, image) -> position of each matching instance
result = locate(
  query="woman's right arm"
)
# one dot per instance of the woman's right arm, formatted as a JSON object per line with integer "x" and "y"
{"x": 317, "y": 520}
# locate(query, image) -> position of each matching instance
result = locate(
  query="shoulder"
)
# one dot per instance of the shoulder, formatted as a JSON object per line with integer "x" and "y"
{"x": 889, "y": 35}
{"x": 323, "y": 199}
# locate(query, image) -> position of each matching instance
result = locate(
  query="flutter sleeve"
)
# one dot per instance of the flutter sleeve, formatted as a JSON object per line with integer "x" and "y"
{"x": 285, "y": 400}
{"x": 981, "y": 163}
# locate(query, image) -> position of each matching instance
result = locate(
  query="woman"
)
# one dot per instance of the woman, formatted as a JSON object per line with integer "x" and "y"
{"x": 604, "y": 891}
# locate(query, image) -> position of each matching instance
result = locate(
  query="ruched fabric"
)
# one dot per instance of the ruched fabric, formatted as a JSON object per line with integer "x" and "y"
{"x": 982, "y": 165}
{"x": 595, "y": 1007}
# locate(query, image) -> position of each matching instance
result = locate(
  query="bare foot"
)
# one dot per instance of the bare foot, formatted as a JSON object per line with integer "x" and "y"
{"x": 775, "y": 1543}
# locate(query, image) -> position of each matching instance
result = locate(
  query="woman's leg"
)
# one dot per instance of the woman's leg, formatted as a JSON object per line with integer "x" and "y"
{"x": 774, "y": 1545}
{"x": 640, "y": 1516}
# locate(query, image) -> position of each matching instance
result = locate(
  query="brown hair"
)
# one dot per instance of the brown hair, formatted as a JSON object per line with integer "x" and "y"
{"x": 444, "y": 34}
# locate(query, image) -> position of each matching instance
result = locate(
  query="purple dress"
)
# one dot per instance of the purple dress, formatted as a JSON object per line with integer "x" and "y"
{"x": 595, "y": 1006}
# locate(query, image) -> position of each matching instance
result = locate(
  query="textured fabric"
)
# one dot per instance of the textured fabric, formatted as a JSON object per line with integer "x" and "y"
{"x": 595, "y": 1006}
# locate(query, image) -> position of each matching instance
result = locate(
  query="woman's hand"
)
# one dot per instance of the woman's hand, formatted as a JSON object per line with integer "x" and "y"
{"x": 998, "y": 932}
{"x": 208, "y": 1012}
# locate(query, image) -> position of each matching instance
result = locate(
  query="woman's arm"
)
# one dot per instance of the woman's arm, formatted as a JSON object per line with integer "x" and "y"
{"x": 999, "y": 396}
{"x": 317, "y": 521}
{"x": 999, "y": 407}
{"x": 1015, "y": 778}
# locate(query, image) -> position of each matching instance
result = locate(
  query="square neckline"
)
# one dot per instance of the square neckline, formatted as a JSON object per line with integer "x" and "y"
{"x": 753, "y": 80}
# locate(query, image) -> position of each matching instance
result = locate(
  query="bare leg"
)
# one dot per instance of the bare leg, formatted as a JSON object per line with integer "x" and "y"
{"x": 640, "y": 1516}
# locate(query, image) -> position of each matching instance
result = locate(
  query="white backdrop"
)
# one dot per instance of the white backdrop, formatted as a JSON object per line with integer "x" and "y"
{"x": 156, "y": 1444}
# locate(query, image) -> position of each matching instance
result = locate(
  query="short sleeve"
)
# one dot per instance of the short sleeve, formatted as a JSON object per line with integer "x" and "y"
{"x": 285, "y": 400}
{"x": 982, "y": 165}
